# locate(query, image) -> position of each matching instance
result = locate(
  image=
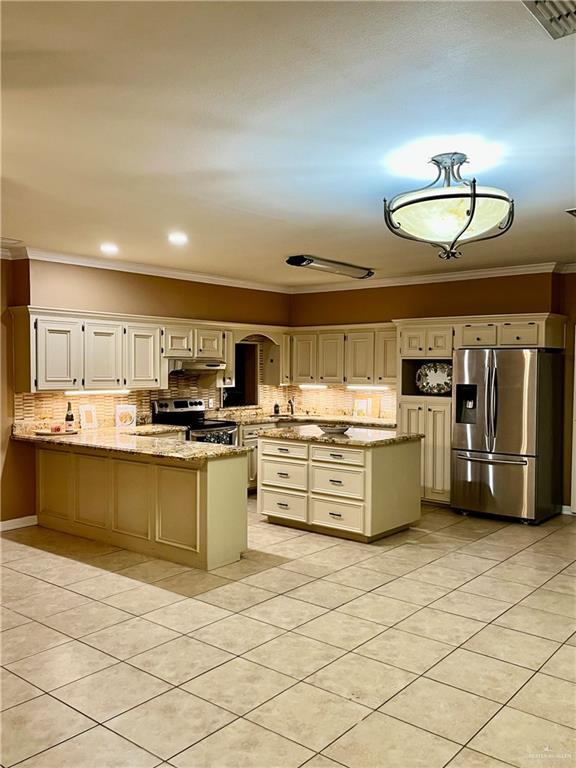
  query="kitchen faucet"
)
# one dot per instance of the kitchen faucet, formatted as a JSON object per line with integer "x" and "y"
{"x": 291, "y": 405}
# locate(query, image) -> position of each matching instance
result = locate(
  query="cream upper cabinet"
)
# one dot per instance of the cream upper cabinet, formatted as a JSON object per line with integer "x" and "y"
{"x": 412, "y": 421}
{"x": 177, "y": 342}
{"x": 413, "y": 342}
{"x": 208, "y": 344}
{"x": 142, "y": 356}
{"x": 360, "y": 357}
{"x": 286, "y": 359}
{"x": 479, "y": 335}
{"x": 304, "y": 358}
{"x": 59, "y": 354}
{"x": 331, "y": 358}
{"x": 103, "y": 355}
{"x": 229, "y": 373}
{"x": 437, "y": 452}
{"x": 439, "y": 341}
{"x": 385, "y": 357}
{"x": 426, "y": 341}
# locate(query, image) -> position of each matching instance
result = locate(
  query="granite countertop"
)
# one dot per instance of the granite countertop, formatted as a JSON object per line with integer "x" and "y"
{"x": 135, "y": 441}
{"x": 309, "y": 418}
{"x": 356, "y": 436}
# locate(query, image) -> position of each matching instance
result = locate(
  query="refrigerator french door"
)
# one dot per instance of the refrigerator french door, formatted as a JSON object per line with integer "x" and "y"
{"x": 506, "y": 432}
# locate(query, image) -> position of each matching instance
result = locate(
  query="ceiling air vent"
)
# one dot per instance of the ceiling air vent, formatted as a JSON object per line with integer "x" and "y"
{"x": 558, "y": 17}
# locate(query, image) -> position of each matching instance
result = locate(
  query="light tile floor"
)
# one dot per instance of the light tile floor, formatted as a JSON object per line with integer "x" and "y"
{"x": 452, "y": 644}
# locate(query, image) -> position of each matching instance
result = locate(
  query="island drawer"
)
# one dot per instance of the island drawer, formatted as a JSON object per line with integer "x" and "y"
{"x": 337, "y": 482}
{"x": 289, "y": 450}
{"x": 337, "y": 515}
{"x": 337, "y": 455}
{"x": 285, "y": 474}
{"x": 284, "y": 505}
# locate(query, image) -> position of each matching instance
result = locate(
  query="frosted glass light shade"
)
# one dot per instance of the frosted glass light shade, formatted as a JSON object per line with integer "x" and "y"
{"x": 441, "y": 218}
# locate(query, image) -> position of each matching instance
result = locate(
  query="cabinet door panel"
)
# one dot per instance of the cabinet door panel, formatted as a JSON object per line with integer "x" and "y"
{"x": 385, "y": 358}
{"x": 59, "y": 353}
{"x": 103, "y": 355}
{"x": 304, "y": 358}
{"x": 360, "y": 357}
{"x": 55, "y": 485}
{"x": 286, "y": 360}
{"x": 479, "y": 335}
{"x": 331, "y": 358}
{"x": 92, "y": 489}
{"x": 178, "y": 342}
{"x": 412, "y": 422}
{"x": 439, "y": 342}
{"x": 142, "y": 356}
{"x": 519, "y": 334}
{"x": 133, "y": 502}
{"x": 413, "y": 342}
{"x": 229, "y": 373}
{"x": 437, "y": 449}
{"x": 177, "y": 507}
{"x": 209, "y": 344}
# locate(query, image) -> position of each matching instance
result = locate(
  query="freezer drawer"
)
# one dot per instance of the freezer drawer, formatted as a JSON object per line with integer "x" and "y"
{"x": 496, "y": 484}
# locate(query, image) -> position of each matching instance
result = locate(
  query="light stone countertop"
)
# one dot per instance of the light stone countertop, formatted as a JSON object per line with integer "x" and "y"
{"x": 137, "y": 441}
{"x": 356, "y": 436}
{"x": 305, "y": 418}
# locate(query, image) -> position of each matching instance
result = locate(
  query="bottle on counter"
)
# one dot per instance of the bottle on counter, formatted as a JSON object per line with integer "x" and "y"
{"x": 69, "y": 418}
{"x": 276, "y": 409}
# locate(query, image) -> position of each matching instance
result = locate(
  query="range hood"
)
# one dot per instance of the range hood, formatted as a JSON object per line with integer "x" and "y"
{"x": 201, "y": 366}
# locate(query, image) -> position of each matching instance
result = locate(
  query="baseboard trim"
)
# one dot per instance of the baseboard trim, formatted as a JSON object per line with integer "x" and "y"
{"x": 567, "y": 510}
{"x": 18, "y": 522}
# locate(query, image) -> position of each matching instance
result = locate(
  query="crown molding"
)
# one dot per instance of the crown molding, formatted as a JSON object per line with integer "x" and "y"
{"x": 346, "y": 285}
{"x": 149, "y": 269}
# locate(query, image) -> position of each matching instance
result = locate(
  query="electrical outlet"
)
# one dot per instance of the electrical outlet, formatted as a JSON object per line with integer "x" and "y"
{"x": 210, "y": 402}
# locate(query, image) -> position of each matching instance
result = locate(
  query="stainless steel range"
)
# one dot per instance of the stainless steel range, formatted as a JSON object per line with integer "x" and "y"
{"x": 191, "y": 414}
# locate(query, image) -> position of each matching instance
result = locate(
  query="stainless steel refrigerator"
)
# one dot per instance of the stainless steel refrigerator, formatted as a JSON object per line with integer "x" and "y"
{"x": 507, "y": 432}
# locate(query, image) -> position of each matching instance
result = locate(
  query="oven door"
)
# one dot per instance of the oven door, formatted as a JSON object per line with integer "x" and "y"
{"x": 219, "y": 435}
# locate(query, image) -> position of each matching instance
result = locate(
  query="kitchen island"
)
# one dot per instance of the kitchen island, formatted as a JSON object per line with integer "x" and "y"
{"x": 361, "y": 485}
{"x": 144, "y": 490}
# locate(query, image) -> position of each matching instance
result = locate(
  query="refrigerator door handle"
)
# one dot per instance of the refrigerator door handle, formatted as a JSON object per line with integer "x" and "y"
{"x": 494, "y": 401}
{"x": 487, "y": 411}
{"x": 520, "y": 462}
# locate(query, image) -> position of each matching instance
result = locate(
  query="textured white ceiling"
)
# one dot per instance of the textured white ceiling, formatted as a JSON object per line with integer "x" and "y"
{"x": 259, "y": 128}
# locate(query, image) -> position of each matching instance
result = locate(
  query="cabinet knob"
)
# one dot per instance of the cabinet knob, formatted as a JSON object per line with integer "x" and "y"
{"x": 200, "y": 349}
{"x": 321, "y": 377}
{"x": 74, "y": 381}
{"x": 379, "y": 378}
{"x": 419, "y": 349}
{"x": 156, "y": 380}
{"x": 311, "y": 377}
{"x": 368, "y": 377}
{"x": 517, "y": 338}
{"x": 189, "y": 349}
{"x": 117, "y": 381}
{"x": 429, "y": 409}
{"x": 419, "y": 407}
{"x": 429, "y": 349}
{"x": 477, "y": 338}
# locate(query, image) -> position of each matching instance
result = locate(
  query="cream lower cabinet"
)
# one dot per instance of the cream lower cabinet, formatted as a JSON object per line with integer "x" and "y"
{"x": 358, "y": 492}
{"x": 433, "y": 420}
{"x": 249, "y": 439}
{"x": 158, "y": 507}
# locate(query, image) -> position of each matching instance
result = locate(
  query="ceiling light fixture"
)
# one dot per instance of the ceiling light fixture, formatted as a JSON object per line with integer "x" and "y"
{"x": 109, "y": 249}
{"x": 325, "y": 265}
{"x": 178, "y": 238}
{"x": 571, "y": 211}
{"x": 458, "y": 210}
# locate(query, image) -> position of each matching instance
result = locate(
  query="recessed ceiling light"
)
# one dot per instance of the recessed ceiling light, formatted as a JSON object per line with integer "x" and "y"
{"x": 412, "y": 160}
{"x": 110, "y": 249}
{"x": 178, "y": 238}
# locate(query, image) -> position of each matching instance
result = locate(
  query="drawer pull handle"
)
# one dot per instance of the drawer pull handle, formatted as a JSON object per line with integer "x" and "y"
{"x": 336, "y": 482}
{"x": 282, "y": 474}
{"x": 334, "y": 514}
{"x": 283, "y": 450}
{"x": 336, "y": 456}
{"x": 282, "y": 504}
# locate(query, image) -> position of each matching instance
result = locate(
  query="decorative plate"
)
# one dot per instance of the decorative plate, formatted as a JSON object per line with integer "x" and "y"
{"x": 434, "y": 378}
{"x": 334, "y": 429}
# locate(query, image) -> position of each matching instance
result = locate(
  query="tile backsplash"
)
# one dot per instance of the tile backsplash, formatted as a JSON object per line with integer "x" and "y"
{"x": 335, "y": 400}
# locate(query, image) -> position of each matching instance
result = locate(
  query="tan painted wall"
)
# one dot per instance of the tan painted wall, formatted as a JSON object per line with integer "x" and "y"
{"x": 17, "y": 469}
{"x": 69, "y": 287}
{"x": 498, "y": 295}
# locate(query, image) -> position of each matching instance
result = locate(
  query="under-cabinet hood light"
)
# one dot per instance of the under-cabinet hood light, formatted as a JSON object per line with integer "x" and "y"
{"x": 368, "y": 387}
{"x": 325, "y": 265}
{"x": 313, "y": 386}
{"x": 88, "y": 392}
